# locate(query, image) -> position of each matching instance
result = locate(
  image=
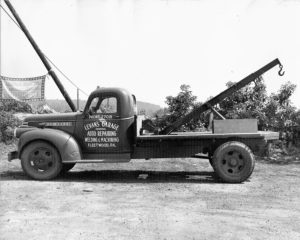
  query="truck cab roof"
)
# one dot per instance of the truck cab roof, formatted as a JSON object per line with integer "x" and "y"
{"x": 126, "y": 102}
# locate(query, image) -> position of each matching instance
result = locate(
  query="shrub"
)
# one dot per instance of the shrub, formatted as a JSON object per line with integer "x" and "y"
{"x": 7, "y": 122}
{"x": 14, "y": 106}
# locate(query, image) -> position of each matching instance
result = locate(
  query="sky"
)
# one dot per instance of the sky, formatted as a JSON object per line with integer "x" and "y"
{"x": 153, "y": 47}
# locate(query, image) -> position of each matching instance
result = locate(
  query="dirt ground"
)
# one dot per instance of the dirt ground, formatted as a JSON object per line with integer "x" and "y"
{"x": 156, "y": 199}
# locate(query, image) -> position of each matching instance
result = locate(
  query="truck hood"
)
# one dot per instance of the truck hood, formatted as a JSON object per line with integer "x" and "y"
{"x": 65, "y": 122}
{"x": 44, "y": 118}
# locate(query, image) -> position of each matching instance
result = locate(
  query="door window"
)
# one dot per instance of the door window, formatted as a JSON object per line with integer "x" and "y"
{"x": 106, "y": 105}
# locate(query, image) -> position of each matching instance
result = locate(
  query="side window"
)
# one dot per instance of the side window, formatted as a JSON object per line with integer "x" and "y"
{"x": 108, "y": 105}
{"x": 94, "y": 106}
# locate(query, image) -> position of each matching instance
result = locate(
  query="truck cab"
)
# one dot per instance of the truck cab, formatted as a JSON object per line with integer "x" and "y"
{"x": 105, "y": 131}
{"x": 106, "y": 127}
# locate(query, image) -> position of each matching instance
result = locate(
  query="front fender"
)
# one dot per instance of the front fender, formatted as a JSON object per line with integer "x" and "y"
{"x": 66, "y": 145}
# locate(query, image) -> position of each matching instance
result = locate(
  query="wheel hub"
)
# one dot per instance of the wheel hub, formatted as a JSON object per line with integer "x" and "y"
{"x": 39, "y": 161}
{"x": 42, "y": 159}
{"x": 233, "y": 162}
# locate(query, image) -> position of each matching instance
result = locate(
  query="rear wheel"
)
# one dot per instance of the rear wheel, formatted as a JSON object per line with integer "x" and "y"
{"x": 233, "y": 162}
{"x": 41, "y": 161}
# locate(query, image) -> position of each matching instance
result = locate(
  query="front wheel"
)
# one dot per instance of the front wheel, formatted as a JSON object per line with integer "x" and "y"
{"x": 41, "y": 161}
{"x": 233, "y": 162}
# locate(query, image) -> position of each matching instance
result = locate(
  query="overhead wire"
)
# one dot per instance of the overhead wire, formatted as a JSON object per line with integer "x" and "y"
{"x": 65, "y": 76}
{"x": 45, "y": 55}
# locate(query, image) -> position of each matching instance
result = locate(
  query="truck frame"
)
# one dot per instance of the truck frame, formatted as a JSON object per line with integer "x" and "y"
{"x": 109, "y": 130}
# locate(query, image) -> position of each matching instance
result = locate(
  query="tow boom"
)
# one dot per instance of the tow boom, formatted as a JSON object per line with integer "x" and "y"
{"x": 195, "y": 114}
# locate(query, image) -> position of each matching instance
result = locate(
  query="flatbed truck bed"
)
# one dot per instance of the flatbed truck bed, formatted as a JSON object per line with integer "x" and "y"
{"x": 268, "y": 135}
{"x": 189, "y": 144}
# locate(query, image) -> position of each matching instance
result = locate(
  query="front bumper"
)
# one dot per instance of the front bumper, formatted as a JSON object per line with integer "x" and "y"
{"x": 12, "y": 155}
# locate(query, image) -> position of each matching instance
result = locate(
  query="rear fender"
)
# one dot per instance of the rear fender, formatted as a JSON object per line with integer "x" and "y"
{"x": 66, "y": 145}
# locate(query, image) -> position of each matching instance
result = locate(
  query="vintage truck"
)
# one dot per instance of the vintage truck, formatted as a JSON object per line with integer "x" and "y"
{"x": 108, "y": 130}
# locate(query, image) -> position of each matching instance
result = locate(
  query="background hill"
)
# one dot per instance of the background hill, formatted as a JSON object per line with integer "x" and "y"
{"x": 61, "y": 105}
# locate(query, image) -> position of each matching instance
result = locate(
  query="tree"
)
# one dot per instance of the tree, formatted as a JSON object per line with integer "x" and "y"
{"x": 179, "y": 106}
{"x": 182, "y": 103}
{"x": 279, "y": 111}
{"x": 248, "y": 102}
{"x": 274, "y": 112}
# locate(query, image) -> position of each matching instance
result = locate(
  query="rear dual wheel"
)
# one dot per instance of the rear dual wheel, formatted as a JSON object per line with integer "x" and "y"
{"x": 233, "y": 162}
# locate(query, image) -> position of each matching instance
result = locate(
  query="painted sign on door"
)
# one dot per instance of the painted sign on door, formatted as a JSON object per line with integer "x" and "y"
{"x": 101, "y": 133}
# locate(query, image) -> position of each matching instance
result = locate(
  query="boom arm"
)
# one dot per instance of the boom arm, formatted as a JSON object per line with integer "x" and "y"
{"x": 207, "y": 105}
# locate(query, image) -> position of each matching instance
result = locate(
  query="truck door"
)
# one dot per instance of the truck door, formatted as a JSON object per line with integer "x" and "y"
{"x": 102, "y": 128}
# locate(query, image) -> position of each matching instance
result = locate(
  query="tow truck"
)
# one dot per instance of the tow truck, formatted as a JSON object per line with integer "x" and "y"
{"x": 108, "y": 130}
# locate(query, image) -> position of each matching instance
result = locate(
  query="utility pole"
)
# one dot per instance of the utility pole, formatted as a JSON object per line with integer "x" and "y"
{"x": 0, "y": 43}
{"x": 41, "y": 55}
